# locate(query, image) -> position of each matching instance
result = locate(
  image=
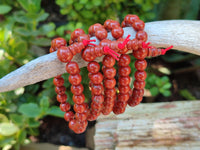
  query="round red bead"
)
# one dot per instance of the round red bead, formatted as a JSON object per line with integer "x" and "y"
{"x": 140, "y": 75}
{"x": 68, "y": 115}
{"x": 64, "y": 54}
{"x": 75, "y": 79}
{"x": 93, "y": 67}
{"x": 77, "y": 89}
{"x": 72, "y": 68}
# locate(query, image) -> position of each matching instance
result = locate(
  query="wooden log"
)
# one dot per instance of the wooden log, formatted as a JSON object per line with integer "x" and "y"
{"x": 183, "y": 35}
{"x": 162, "y": 126}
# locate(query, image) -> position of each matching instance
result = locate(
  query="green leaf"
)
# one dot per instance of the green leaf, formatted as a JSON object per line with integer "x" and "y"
{"x": 3, "y": 118}
{"x": 166, "y": 93}
{"x": 55, "y": 111}
{"x": 30, "y": 110}
{"x": 32, "y": 123}
{"x": 8, "y": 129}
{"x": 42, "y": 16}
{"x": 5, "y": 140}
{"x": 33, "y": 131}
{"x": 41, "y": 42}
{"x": 17, "y": 119}
{"x": 167, "y": 85}
{"x": 21, "y": 136}
{"x": 4, "y": 9}
{"x": 187, "y": 95}
{"x": 44, "y": 103}
{"x": 22, "y": 31}
{"x": 47, "y": 28}
{"x": 154, "y": 91}
{"x": 30, "y": 5}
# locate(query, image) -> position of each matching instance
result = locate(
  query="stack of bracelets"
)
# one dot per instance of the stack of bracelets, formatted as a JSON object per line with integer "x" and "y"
{"x": 104, "y": 98}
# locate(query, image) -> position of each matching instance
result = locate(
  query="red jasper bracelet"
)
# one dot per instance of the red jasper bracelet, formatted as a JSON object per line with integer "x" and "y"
{"x": 104, "y": 98}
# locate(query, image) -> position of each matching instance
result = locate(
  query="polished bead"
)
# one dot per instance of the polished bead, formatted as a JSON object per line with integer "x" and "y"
{"x": 58, "y": 81}
{"x": 80, "y": 108}
{"x": 140, "y": 65}
{"x": 83, "y": 37}
{"x": 124, "y": 71}
{"x": 110, "y": 92}
{"x": 132, "y": 44}
{"x": 76, "y": 33}
{"x": 110, "y": 24}
{"x": 139, "y": 84}
{"x": 51, "y": 50}
{"x": 57, "y": 43}
{"x": 123, "y": 24}
{"x": 141, "y": 35}
{"x": 68, "y": 115}
{"x": 65, "y": 106}
{"x": 94, "y": 28}
{"x": 109, "y": 83}
{"x": 140, "y": 75}
{"x": 96, "y": 78}
{"x": 124, "y": 89}
{"x": 93, "y": 67}
{"x": 124, "y": 60}
{"x": 124, "y": 80}
{"x": 98, "y": 99}
{"x": 117, "y": 32}
{"x": 86, "y": 54}
{"x": 109, "y": 72}
{"x": 141, "y": 53}
{"x": 64, "y": 54}
{"x": 77, "y": 89}
{"x": 133, "y": 101}
{"x": 123, "y": 97}
{"x": 97, "y": 89}
{"x": 138, "y": 93}
{"x": 61, "y": 98}
{"x": 138, "y": 25}
{"x": 101, "y": 34}
{"x": 75, "y": 79}
{"x": 72, "y": 68}
{"x": 81, "y": 116}
{"x": 60, "y": 89}
{"x": 130, "y": 19}
{"x": 96, "y": 106}
{"x": 78, "y": 99}
{"x": 108, "y": 61}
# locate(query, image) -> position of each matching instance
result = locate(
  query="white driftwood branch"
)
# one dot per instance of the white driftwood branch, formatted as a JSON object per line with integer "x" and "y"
{"x": 183, "y": 35}
{"x": 160, "y": 126}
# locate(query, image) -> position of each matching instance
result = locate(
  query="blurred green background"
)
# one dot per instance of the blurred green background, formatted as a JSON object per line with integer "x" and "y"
{"x": 27, "y": 28}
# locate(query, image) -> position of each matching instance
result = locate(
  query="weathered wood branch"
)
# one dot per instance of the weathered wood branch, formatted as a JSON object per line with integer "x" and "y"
{"x": 160, "y": 126}
{"x": 183, "y": 35}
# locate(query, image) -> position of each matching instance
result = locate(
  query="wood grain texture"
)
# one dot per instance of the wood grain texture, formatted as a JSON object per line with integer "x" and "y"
{"x": 183, "y": 35}
{"x": 162, "y": 126}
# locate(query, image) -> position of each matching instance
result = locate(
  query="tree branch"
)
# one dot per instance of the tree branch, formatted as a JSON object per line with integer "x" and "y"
{"x": 183, "y": 35}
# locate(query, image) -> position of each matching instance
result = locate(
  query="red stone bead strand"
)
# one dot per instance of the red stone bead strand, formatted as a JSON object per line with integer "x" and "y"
{"x": 109, "y": 84}
{"x": 97, "y": 90}
{"x": 58, "y": 81}
{"x": 80, "y": 118}
{"x": 124, "y": 84}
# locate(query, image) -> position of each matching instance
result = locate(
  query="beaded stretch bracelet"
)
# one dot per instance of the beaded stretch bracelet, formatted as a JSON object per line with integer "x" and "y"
{"x": 103, "y": 86}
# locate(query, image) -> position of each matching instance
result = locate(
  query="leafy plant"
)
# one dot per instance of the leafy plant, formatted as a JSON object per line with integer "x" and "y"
{"x": 15, "y": 128}
{"x": 158, "y": 85}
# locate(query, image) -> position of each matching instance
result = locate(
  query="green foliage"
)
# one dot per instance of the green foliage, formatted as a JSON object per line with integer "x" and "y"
{"x": 187, "y": 95}
{"x": 83, "y": 13}
{"x": 158, "y": 85}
